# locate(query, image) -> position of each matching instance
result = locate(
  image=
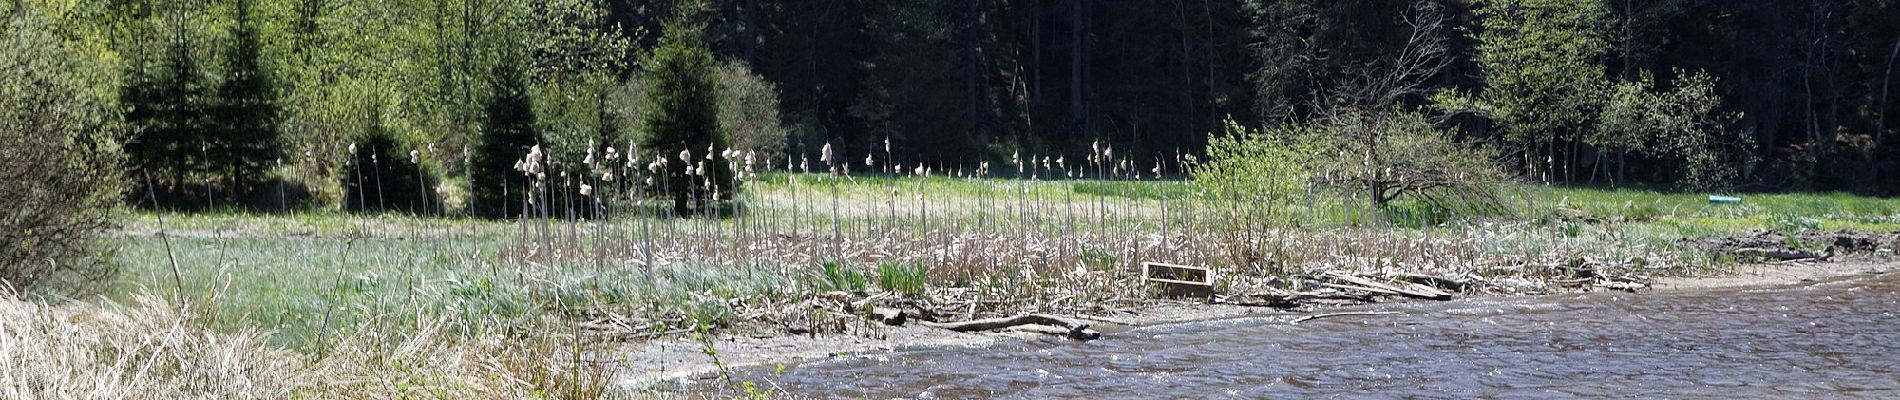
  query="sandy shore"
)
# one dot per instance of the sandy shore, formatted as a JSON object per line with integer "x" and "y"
{"x": 663, "y": 363}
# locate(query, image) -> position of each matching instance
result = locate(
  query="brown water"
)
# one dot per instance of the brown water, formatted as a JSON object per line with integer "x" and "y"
{"x": 1833, "y": 339}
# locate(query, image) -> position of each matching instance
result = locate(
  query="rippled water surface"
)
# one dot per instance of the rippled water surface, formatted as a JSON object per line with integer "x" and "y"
{"x": 1834, "y": 339}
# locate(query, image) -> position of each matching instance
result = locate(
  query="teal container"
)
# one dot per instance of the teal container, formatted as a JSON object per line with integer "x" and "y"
{"x": 1724, "y": 200}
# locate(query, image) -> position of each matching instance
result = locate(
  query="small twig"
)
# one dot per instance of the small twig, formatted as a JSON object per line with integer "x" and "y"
{"x": 1297, "y": 321}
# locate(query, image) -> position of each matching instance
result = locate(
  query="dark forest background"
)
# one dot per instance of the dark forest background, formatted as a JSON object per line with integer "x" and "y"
{"x": 219, "y": 99}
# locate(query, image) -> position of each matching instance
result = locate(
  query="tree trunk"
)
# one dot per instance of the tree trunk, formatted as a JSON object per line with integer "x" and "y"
{"x": 972, "y": 67}
{"x": 1880, "y": 124}
{"x": 1035, "y": 55}
{"x": 1077, "y": 108}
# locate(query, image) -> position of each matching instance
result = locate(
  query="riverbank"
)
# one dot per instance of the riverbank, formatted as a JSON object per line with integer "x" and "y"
{"x": 669, "y": 365}
{"x": 605, "y": 308}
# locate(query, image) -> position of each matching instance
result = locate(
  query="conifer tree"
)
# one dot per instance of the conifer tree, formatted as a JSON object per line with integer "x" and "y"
{"x": 244, "y": 138}
{"x": 681, "y": 117}
{"x": 507, "y": 132}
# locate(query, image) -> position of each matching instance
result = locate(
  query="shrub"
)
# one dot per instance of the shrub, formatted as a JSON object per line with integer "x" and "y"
{"x": 59, "y": 161}
{"x": 383, "y": 176}
{"x": 1392, "y": 156}
{"x": 748, "y": 111}
{"x": 1251, "y": 175}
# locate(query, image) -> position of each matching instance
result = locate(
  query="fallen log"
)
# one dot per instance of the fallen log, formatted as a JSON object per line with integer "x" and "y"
{"x": 1450, "y": 283}
{"x": 1297, "y": 321}
{"x": 1073, "y": 330}
{"x": 1367, "y": 289}
{"x": 1779, "y": 254}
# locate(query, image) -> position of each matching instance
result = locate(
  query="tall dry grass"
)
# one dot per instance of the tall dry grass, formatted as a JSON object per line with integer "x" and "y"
{"x": 150, "y": 349}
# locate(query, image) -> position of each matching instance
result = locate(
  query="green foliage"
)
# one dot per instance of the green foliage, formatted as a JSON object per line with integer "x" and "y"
{"x": 748, "y": 112}
{"x": 1392, "y": 156}
{"x": 681, "y": 119}
{"x": 59, "y": 161}
{"x": 386, "y": 175}
{"x": 244, "y": 139}
{"x": 1541, "y": 77}
{"x": 906, "y": 278}
{"x": 1370, "y": 158}
{"x": 496, "y": 188}
{"x": 1252, "y": 175}
{"x": 834, "y": 276}
{"x": 164, "y": 94}
{"x": 1682, "y": 124}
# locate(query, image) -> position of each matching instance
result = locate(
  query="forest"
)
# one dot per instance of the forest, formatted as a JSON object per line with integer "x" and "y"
{"x": 258, "y": 103}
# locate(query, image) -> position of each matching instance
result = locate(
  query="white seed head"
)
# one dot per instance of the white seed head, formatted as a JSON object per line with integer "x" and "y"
{"x": 825, "y": 155}
{"x": 587, "y": 190}
{"x": 686, "y": 155}
{"x": 352, "y": 149}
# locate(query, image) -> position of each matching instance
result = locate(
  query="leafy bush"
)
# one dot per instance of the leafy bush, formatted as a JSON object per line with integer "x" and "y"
{"x": 59, "y": 161}
{"x": 1380, "y": 158}
{"x": 1250, "y": 174}
{"x": 1391, "y": 156}
{"x": 384, "y": 176}
{"x": 748, "y": 111}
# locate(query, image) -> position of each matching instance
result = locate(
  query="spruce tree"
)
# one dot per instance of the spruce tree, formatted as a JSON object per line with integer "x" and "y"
{"x": 244, "y": 138}
{"x": 682, "y": 117}
{"x": 507, "y": 132}
{"x": 165, "y": 117}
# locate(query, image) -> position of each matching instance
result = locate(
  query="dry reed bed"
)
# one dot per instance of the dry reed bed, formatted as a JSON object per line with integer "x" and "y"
{"x": 152, "y": 349}
{"x": 1057, "y": 254}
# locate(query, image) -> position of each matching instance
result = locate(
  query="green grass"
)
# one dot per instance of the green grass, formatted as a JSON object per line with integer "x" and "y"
{"x": 906, "y": 278}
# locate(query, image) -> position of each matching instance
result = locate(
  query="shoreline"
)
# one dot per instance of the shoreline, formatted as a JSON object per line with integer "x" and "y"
{"x": 666, "y": 364}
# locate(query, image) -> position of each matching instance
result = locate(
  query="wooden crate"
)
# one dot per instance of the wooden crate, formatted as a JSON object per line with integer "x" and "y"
{"x": 1179, "y": 281}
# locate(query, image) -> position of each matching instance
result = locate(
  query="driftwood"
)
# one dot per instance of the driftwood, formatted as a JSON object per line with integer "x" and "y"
{"x": 1297, "y": 321}
{"x": 1449, "y": 283}
{"x": 1071, "y": 329}
{"x": 1410, "y": 289}
{"x": 1294, "y": 300}
{"x": 1780, "y": 254}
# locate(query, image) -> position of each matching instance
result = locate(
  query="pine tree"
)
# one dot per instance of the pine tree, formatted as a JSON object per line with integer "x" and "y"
{"x": 244, "y": 138}
{"x": 164, "y": 115}
{"x": 507, "y": 132}
{"x": 682, "y": 117}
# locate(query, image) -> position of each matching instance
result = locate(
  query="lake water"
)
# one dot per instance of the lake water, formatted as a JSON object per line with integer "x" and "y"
{"x": 1832, "y": 339}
